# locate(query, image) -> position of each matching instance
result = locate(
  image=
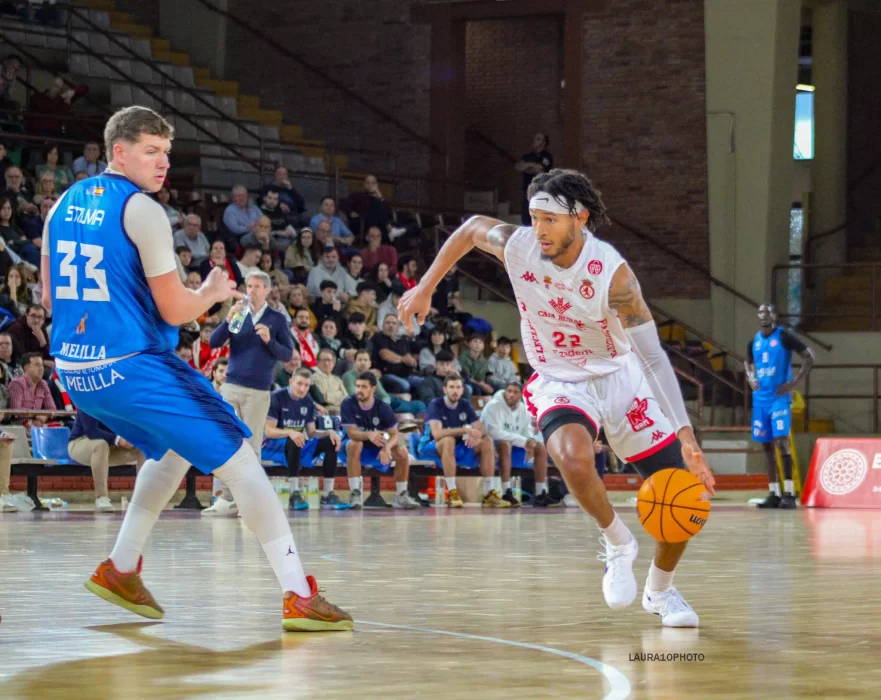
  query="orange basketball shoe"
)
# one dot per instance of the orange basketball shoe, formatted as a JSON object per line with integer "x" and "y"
{"x": 125, "y": 590}
{"x": 313, "y": 614}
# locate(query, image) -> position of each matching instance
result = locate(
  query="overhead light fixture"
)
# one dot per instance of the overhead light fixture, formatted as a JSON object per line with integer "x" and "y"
{"x": 801, "y": 87}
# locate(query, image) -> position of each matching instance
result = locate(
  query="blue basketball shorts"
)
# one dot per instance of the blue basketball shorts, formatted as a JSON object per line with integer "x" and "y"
{"x": 465, "y": 456}
{"x": 771, "y": 420}
{"x": 158, "y": 403}
{"x": 369, "y": 456}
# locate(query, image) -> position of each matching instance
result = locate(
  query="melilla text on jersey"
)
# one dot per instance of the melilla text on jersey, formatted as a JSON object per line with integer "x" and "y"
{"x": 92, "y": 379}
{"x": 72, "y": 351}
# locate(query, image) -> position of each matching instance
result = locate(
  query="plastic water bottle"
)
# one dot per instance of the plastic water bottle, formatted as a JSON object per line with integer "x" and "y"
{"x": 439, "y": 491}
{"x": 515, "y": 488}
{"x": 238, "y": 319}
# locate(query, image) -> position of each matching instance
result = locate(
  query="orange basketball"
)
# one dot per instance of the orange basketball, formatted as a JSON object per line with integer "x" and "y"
{"x": 673, "y": 505}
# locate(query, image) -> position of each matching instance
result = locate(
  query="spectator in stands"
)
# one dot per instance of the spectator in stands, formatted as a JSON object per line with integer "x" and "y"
{"x": 377, "y": 252}
{"x": 539, "y": 160}
{"x": 298, "y": 298}
{"x": 407, "y": 272}
{"x": 29, "y": 334}
{"x": 14, "y": 241}
{"x": 194, "y": 281}
{"x": 390, "y": 307}
{"x": 290, "y": 202}
{"x": 9, "y": 230}
{"x": 5, "y": 161}
{"x": 279, "y": 278}
{"x": 184, "y": 352}
{"x": 355, "y": 266}
{"x": 218, "y": 373}
{"x": 263, "y": 341}
{"x": 279, "y": 222}
{"x": 502, "y": 370}
{"x": 361, "y": 364}
{"x": 8, "y": 73}
{"x": 433, "y": 386}
{"x": 380, "y": 277}
{"x": 286, "y": 370}
{"x": 330, "y": 269}
{"x": 45, "y": 188}
{"x": 250, "y": 262}
{"x": 372, "y": 439}
{"x": 80, "y": 176}
{"x": 18, "y": 193}
{"x": 4, "y": 391}
{"x": 455, "y": 436}
{"x": 327, "y": 390}
{"x": 395, "y": 358}
{"x": 368, "y": 209}
{"x": 90, "y": 161}
{"x": 11, "y": 369}
{"x": 33, "y": 227}
{"x": 185, "y": 260}
{"x": 301, "y": 255}
{"x": 355, "y": 337}
{"x": 292, "y": 417}
{"x": 241, "y": 215}
{"x": 340, "y": 232}
{"x": 30, "y": 392}
{"x": 476, "y": 366}
{"x": 328, "y": 305}
{"x": 364, "y": 304}
{"x": 174, "y": 214}
{"x": 508, "y": 423}
{"x": 60, "y": 172}
{"x": 94, "y": 444}
{"x": 217, "y": 257}
{"x": 329, "y": 339}
{"x": 49, "y": 108}
{"x": 18, "y": 294}
{"x": 438, "y": 341}
{"x": 205, "y": 356}
{"x": 306, "y": 343}
{"x": 274, "y": 299}
{"x": 192, "y": 237}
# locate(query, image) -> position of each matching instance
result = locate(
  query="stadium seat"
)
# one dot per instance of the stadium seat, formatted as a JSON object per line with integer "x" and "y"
{"x": 51, "y": 443}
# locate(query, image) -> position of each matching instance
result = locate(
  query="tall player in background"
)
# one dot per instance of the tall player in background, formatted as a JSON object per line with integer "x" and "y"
{"x": 769, "y": 371}
{"x": 109, "y": 273}
{"x": 599, "y": 363}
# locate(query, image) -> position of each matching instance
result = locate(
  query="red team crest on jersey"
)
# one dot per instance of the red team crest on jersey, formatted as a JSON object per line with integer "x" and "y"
{"x": 594, "y": 267}
{"x": 561, "y": 400}
{"x": 637, "y": 417}
{"x": 774, "y": 343}
{"x": 548, "y": 281}
{"x": 560, "y": 305}
{"x": 586, "y": 289}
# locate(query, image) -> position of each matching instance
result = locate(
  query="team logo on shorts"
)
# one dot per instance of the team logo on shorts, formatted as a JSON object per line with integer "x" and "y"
{"x": 529, "y": 277}
{"x": 637, "y": 417}
{"x": 594, "y": 267}
{"x": 843, "y": 472}
{"x": 560, "y": 305}
{"x": 561, "y": 400}
{"x": 586, "y": 289}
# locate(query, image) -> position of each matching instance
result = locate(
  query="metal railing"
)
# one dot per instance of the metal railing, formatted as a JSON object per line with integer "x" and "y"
{"x": 873, "y": 397}
{"x": 835, "y": 308}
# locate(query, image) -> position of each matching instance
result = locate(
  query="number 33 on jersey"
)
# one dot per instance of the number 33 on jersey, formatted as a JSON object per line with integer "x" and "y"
{"x": 101, "y": 304}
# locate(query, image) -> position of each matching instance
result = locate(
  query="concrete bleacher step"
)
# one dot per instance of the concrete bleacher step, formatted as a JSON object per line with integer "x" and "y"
{"x": 270, "y": 117}
{"x": 225, "y": 88}
{"x": 102, "y": 5}
{"x": 140, "y": 31}
{"x": 291, "y": 132}
{"x": 160, "y": 44}
{"x": 248, "y": 101}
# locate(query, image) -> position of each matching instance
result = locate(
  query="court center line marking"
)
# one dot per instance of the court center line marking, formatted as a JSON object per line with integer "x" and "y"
{"x": 619, "y": 685}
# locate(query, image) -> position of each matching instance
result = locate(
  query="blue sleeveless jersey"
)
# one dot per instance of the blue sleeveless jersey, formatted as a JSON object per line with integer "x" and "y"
{"x": 101, "y": 304}
{"x": 773, "y": 365}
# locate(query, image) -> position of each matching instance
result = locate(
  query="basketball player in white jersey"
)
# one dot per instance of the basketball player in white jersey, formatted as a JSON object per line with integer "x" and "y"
{"x": 599, "y": 363}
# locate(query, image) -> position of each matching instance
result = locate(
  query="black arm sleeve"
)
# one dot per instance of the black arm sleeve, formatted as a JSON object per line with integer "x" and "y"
{"x": 791, "y": 342}
{"x": 749, "y": 352}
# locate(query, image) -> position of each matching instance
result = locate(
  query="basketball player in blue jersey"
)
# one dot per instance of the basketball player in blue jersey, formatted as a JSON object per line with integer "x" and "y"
{"x": 769, "y": 371}
{"x": 110, "y": 277}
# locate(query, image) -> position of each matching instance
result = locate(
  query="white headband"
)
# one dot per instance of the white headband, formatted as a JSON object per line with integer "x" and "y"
{"x": 544, "y": 201}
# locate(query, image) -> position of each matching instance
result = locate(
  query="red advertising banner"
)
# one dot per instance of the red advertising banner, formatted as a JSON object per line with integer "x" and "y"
{"x": 844, "y": 473}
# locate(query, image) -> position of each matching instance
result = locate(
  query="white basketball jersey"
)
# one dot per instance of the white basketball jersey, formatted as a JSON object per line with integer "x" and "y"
{"x": 569, "y": 332}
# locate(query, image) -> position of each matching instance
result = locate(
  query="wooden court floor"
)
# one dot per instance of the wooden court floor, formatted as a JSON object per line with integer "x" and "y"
{"x": 465, "y": 605}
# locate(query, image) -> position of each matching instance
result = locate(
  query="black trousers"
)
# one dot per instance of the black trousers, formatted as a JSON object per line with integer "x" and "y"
{"x": 325, "y": 446}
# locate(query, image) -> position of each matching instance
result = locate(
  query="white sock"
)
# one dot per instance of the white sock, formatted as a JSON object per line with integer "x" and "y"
{"x": 787, "y": 486}
{"x": 216, "y": 487}
{"x": 487, "y": 485}
{"x": 774, "y": 488}
{"x": 355, "y": 483}
{"x": 401, "y": 486}
{"x": 617, "y": 532}
{"x": 540, "y": 487}
{"x": 263, "y": 515}
{"x": 506, "y": 485}
{"x": 450, "y": 482}
{"x": 328, "y": 486}
{"x": 293, "y": 483}
{"x": 157, "y": 482}
{"x": 659, "y": 581}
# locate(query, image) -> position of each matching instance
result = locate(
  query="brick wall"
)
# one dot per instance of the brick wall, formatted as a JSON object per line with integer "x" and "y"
{"x": 369, "y": 46}
{"x": 644, "y": 134}
{"x": 511, "y": 94}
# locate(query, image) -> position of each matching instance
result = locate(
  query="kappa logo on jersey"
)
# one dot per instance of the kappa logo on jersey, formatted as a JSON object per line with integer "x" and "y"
{"x": 548, "y": 282}
{"x": 658, "y": 435}
{"x": 522, "y": 306}
{"x": 594, "y": 267}
{"x": 561, "y": 400}
{"x": 529, "y": 277}
{"x": 586, "y": 289}
{"x": 637, "y": 417}
{"x": 560, "y": 305}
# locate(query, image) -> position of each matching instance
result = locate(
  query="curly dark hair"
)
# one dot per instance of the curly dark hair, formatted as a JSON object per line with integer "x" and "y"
{"x": 572, "y": 186}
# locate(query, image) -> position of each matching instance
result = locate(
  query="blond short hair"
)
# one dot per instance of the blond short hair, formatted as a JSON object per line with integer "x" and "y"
{"x": 130, "y": 122}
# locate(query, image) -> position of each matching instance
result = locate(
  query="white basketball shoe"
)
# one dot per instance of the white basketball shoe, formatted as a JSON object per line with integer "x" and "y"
{"x": 222, "y": 509}
{"x": 671, "y": 607}
{"x": 619, "y": 583}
